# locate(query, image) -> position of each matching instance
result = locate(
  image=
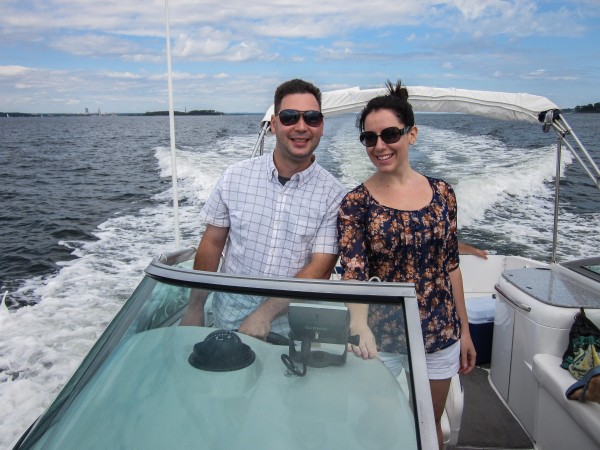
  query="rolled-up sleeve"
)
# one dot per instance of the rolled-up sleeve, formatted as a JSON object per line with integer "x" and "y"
{"x": 215, "y": 211}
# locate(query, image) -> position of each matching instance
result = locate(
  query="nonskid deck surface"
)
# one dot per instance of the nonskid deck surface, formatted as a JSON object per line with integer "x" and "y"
{"x": 486, "y": 422}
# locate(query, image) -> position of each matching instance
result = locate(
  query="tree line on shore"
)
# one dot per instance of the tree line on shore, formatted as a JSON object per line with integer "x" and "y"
{"x": 595, "y": 108}
{"x": 195, "y": 112}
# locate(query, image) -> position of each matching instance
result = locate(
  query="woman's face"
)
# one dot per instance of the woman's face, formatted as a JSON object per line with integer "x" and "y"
{"x": 393, "y": 156}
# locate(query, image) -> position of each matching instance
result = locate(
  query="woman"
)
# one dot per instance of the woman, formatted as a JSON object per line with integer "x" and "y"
{"x": 400, "y": 226}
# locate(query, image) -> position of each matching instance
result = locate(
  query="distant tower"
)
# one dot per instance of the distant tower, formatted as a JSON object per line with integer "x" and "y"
{"x": 87, "y": 111}
{"x": 98, "y": 111}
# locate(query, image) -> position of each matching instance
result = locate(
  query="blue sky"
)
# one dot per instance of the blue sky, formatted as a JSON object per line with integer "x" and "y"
{"x": 68, "y": 55}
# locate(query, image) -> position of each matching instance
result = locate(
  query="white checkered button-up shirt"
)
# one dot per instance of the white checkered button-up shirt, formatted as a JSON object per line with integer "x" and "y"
{"x": 273, "y": 228}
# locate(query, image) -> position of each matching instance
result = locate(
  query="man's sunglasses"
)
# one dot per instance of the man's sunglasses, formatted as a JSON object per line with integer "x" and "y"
{"x": 388, "y": 135}
{"x": 291, "y": 116}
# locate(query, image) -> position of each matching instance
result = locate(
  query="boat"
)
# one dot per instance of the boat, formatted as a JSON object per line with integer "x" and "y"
{"x": 150, "y": 383}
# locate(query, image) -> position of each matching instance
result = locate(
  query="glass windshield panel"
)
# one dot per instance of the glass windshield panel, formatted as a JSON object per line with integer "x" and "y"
{"x": 593, "y": 268}
{"x": 166, "y": 385}
{"x": 589, "y": 267}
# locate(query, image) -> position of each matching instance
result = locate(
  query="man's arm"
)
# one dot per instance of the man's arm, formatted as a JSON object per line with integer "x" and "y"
{"x": 210, "y": 248}
{"x": 207, "y": 258}
{"x": 258, "y": 324}
{"x": 320, "y": 266}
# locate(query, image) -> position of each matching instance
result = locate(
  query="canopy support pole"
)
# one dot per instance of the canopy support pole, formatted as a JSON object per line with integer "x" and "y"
{"x": 260, "y": 142}
{"x": 556, "y": 198}
{"x": 585, "y": 160}
{"x": 172, "y": 132}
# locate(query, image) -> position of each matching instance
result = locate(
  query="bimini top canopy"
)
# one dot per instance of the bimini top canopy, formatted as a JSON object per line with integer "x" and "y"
{"x": 498, "y": 105}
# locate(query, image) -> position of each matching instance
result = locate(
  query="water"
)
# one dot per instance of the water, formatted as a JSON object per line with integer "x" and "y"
{"x": 85, "y": 205}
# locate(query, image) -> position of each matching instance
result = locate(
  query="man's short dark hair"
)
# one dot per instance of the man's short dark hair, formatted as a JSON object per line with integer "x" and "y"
{"x": 295, "y": 86}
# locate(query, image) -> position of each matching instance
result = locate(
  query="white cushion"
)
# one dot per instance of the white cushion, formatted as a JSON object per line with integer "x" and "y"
{"x": 556, "y": 380}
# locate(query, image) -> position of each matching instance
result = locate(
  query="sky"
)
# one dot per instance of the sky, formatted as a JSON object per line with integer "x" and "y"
{"x": 63, "y": 56}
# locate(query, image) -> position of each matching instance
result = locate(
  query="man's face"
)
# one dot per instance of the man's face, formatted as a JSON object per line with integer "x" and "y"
{"x": 297, "y": 142}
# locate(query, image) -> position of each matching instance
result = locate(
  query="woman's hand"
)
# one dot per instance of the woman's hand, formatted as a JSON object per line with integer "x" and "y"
{"x": 366, "y": 349}
{"x": 467, "y": 353}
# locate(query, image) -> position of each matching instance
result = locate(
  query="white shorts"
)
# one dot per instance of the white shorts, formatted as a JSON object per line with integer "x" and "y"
{"x": 444, "y": 363}
{"x": 441, "y": 365}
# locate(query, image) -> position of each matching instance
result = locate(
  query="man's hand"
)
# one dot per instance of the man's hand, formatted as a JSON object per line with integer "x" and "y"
{"x": 256, "y": 325}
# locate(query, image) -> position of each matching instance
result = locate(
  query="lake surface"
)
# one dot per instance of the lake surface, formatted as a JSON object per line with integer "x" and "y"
{"x": 86, "y": 203}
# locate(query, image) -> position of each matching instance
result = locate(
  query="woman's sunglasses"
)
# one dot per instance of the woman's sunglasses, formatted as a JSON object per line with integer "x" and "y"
{"x": 388, "y": 135}
{"x": 291, "y": 116}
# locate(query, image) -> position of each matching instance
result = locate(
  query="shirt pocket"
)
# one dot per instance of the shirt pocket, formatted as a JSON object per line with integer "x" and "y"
{"x": 305, "y": 229}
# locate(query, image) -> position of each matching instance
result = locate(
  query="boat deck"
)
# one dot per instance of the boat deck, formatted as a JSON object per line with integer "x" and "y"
{"x": 486, "y": 422}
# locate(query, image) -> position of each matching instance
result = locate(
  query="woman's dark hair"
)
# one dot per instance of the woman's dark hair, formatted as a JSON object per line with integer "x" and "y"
{"x": 396, "y": 100}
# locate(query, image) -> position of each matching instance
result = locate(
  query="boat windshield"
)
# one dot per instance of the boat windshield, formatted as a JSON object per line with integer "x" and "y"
{"x": 588, "y": 267}
{"x": 594, "y": 268}
{"x": 150, "y": 382}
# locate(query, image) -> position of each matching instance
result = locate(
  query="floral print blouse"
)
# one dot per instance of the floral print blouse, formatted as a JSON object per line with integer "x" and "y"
{"x": 418, "y": 246}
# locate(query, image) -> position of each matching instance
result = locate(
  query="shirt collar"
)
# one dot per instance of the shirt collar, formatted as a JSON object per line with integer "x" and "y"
{"x": 298, "y": 179}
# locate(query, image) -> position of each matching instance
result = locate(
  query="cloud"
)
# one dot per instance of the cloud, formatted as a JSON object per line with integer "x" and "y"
{"x": 178, "y": 76}
{"x": 518, "y": 18}
{"x": 96, "y": 45}
{"x": 14, "y": 71}
{"x": 126, "y": 75}
{"x": 542, "y": 74}
{"x": 210, "y": 44}
{"x": 116, "y": 48}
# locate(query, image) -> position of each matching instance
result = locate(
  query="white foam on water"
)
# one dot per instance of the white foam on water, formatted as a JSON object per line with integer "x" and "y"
{"x": 42, "y": 345}
{"x": 484, "y": 171}
{"x": 508, "y": 191}
{"x": 349, "y": 154}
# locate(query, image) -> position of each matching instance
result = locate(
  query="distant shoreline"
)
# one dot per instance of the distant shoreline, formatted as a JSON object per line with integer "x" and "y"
{"x": 145, "y": 114}
{"x": 588, "y": 109}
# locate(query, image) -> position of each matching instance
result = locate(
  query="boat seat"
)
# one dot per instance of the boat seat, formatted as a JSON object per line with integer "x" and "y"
{"x": 562, "y": 423}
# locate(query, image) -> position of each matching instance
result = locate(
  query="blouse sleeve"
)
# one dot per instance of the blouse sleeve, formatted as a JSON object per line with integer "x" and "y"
{"x": 351, "y": 236}
{"x": 452, "y": 258}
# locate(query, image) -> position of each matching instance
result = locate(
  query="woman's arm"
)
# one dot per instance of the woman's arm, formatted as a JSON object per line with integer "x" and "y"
{"x": 353, "y": 259}
{"x": 467, "y": 349}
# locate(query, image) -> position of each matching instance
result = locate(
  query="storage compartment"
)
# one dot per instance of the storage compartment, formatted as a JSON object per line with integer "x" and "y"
{"x": 480, "y": 311}
{"x": 535, "y": 311}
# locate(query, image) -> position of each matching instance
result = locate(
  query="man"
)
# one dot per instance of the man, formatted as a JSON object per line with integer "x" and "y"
{"x": 275, "y": 216}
